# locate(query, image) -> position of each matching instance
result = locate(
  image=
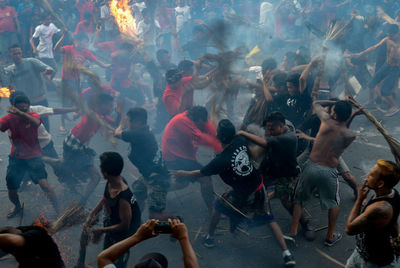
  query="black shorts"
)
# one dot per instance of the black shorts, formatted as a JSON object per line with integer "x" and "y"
{"x": 80, "y": 161}
{"x": 17, "y": 167}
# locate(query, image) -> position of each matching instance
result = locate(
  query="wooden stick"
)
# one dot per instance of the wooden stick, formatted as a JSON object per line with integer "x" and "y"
{"x": 196, "y": 235}
{"x": 22, "y": 213}
{"x": 329, "y": 257}
{"x": 231, "y": 206}
{"x": 321, "y": 228}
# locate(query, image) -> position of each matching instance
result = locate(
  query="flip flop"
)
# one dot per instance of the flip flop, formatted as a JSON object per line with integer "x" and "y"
{"x": 63, "y": 131}
{"x": 14, "y": 212}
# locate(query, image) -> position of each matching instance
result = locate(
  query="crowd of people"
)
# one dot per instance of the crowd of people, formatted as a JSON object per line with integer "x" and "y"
{"x": 297, "y": 59}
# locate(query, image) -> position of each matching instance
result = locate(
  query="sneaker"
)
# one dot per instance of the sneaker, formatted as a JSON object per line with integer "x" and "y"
{"x": 392, "y": 112}
{"x": 289, "y": 261}
{"x": 209, "y": 242}
{"x": 331, "y": 242}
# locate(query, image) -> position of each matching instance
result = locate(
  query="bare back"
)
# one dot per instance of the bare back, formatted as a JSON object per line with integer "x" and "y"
{"x": 332, "y": 139}
{"x": 393, "y": 53}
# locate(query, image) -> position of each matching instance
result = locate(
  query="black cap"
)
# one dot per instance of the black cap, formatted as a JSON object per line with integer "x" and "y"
{"x": 173, "y": 75}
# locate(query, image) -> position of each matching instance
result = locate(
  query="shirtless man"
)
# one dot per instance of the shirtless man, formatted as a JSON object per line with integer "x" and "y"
{"x": 320, "y": 170}
{"x": 389, "y": 72}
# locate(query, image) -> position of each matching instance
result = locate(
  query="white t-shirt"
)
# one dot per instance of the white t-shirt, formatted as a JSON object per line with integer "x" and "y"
{"x": 182, "y": 15}
{"x": 110, "y": 266}
{"x": 105, "y": 14}
{"x": 257, "y": 70}
{"x": 45, "y": 35}
{"x": 43, "y": 136}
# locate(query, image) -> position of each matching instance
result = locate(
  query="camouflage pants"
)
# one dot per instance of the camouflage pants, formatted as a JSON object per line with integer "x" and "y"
{"x": 153, "y": 189}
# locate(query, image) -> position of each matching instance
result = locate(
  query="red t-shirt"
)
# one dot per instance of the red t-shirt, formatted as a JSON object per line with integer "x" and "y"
{"x": 78, "y": 57}
{"x": 84, "y": 6}
{"x": 172, "y": 97}
{"x": 182, "y": 138}
{"x": 82, "y": 27}
{"x": 24, "y": 136}
{"x": 7, "y": 16}
{"x": 87, "y": 127}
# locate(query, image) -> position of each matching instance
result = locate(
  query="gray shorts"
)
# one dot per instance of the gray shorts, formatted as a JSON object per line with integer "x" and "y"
{"x": 356, "y": 261}
{"x": 324, "y": 179}
{"x": 303, "y": 157}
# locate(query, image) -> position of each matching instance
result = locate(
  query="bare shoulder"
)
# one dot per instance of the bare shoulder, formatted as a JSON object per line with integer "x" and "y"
{"x": 379, "y": 211}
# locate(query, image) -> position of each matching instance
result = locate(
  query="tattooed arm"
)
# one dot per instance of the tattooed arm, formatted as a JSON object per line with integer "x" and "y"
{"x": 377, "y": 215}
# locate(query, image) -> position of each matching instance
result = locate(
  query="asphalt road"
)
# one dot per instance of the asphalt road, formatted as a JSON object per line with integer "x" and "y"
{"x": 254, "y": 248}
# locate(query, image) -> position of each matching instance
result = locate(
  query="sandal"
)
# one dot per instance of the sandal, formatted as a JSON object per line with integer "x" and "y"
{"x": 63, "y": 131}
{"x": 14, "y": 212}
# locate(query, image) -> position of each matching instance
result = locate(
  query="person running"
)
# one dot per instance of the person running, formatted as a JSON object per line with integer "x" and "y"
{"x": 234, "y": 167}
{"x": 182, "y": 137}
{"x": 76, "y": 152}
{"x": 389, "y": 72}
{"x": 146, "y": 157}
{"x": 25, "y": 155}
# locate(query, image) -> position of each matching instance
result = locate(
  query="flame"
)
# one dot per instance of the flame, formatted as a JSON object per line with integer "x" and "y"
{"x": 5, "y": 92}
{"x": 122, "y": 13}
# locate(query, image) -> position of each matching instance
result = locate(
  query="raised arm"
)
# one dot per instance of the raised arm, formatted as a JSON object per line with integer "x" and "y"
{"x": 254, "y": 138}
{"x": 319, "y": 110}
{"x": 370, "y": 49}
{"x": 377, "y": 215}
{"x": 180, "y": 232}
{"x": 35, "y": 120}
{"x": 58, "y": 46}
{"x": 112, "y": 253}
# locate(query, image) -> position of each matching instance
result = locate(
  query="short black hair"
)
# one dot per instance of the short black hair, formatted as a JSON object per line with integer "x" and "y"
{"x": 185, "y": 65}
{"x": 226, "y": 131}
{"x": 279, "y": 79}
{"x": 173, "y": 76}
{"x": 137, "y": 114}
{"x": 294, "y": 79}
{"x": 392, "y": 29}
{"x": 342, "y": 110}
{"x": 268, "y": 64}
{"x": 14, "y": 46}
{"x": 21, "y": 99}
{"x": 15, "y": 94}
{"x": 111, "y": 163}
{"x": 198, "y": 113}
{"x": 161, "y": 52}
{"x": 276, "y": 118}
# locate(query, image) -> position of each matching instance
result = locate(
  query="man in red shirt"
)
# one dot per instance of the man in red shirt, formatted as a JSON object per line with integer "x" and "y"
{"x": 25, "y": 154}
{"x": 182, "y": 137}
{"x": 76, "y": 152}
{"x": 178, "y": 95}
{"x": 9, "y": 27}
{"x": 77, "y": 54}
{"x": 86, "y": 25}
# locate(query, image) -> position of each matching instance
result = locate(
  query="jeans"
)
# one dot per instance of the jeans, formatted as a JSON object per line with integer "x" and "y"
{"x": 356, "y": 261}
